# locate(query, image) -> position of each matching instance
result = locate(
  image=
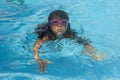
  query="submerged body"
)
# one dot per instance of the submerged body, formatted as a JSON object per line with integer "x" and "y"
{"x": 58, "y": 27}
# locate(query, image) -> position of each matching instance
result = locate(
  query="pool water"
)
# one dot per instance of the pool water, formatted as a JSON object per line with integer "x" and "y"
{"x": 97, "y": 20}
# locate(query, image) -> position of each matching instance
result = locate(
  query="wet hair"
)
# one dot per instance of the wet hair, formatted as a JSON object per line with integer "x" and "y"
{"x": 59, "y": 13}
{"x": 45, "y": 28}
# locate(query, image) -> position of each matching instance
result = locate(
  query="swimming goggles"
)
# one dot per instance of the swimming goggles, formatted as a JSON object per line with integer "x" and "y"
{"x": 56, "y": 22}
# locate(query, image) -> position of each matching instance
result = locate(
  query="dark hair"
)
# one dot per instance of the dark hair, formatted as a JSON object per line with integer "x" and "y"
{"x": 45, "y": 29}
{"x": 59, "y": 13}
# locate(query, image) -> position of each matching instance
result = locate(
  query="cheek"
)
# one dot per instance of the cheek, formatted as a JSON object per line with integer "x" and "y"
{"x": 53, "y": 28}
{"x": 64, "y": 29}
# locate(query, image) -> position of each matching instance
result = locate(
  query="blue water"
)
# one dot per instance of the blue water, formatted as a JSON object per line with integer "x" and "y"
{"x": 98, "y": 20}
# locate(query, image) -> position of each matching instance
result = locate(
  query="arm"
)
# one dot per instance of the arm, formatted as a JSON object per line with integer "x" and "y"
{"x": 42, "y": 64}
{"x": 92, "y": 52}
{"x": 37, "y": 45}
{"x": 89, "y": 47}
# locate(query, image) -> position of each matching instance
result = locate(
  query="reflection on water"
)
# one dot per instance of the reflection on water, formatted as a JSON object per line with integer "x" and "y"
{"x": 18, "y": 1}
{"x": 27, "y": 76}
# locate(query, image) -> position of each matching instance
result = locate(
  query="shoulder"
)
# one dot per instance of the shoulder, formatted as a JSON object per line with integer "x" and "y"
{"x": 45, "y": 38}
{"x": 82, "y": 40}
{"x": 70, "y": 33}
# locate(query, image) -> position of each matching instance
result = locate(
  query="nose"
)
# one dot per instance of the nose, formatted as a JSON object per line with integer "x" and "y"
{"x": 59, "y": 25}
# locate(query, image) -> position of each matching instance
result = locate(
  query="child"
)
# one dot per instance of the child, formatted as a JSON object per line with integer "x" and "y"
{"x": 58, "y": 27}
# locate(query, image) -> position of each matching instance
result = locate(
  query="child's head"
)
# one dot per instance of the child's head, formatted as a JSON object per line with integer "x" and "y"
{"x": 58, "y": 21}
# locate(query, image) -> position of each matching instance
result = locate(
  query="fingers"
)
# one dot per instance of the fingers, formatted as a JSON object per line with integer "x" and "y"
{"x": 97, "y": 57}
{"x": 42, "y": 65}
{"x": 49, "y": 62}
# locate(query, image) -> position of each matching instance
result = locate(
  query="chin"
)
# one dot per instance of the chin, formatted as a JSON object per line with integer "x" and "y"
{"x": 59, "y": 33}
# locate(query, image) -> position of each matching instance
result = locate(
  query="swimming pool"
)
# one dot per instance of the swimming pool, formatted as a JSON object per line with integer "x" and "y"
{"x": 98, "y": 20}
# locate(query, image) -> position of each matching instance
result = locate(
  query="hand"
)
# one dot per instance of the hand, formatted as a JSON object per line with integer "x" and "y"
{"x": 99, "y": 57}
{"x": 95, "y": 55}
{"x": 42, "y": 64}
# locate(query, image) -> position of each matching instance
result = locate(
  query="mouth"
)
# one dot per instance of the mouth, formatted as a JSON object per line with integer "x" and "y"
{"x": 59, "y": 30}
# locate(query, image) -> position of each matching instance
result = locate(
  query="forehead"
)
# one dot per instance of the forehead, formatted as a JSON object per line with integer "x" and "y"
{"x": 56, "y": 17}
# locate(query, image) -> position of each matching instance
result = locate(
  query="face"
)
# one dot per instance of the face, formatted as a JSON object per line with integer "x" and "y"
{"x": 59, "y": 26}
